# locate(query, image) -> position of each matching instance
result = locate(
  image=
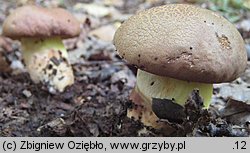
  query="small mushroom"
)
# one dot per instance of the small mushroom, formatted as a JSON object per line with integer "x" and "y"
{"x": 178, "y": 48}
{"x": 41, "y": 31}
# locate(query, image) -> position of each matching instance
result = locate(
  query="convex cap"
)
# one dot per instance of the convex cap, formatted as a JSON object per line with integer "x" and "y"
{"x": 35, "y": 21}
{"x": 183, "y": 42}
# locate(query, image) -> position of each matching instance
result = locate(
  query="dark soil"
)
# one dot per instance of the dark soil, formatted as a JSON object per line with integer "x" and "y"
{"x": 96, "y": 104}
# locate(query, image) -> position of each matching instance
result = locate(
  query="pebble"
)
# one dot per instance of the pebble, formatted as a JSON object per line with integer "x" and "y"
{"x": 27, "y": 93}
{"x": 89, "y": 98}
{"x": 17, "y": 65}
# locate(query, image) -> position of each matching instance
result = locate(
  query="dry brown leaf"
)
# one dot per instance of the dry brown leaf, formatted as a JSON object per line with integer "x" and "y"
{"x": 105, "y": 33}
{"x": 237, "y": 112}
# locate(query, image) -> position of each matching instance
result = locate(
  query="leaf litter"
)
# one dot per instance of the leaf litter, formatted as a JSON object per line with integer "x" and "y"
{"x": 96, "y": 105}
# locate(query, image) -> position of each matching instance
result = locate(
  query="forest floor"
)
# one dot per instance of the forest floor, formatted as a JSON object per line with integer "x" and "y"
{"x": 96, "y": 104}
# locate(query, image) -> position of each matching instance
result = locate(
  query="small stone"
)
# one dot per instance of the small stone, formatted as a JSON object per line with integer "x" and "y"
{"x": 27, "y": 93}
{"x": 89, "y": 98}
{"x": 17, "y": 65}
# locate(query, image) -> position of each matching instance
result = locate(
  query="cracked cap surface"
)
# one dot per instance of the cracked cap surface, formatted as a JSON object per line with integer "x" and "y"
{"x": 183, "y": 42}
{"x": 35, "y": 21}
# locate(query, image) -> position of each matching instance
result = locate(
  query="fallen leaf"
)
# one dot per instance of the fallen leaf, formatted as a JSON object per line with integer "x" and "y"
{"x": 117, "y": 3}
{"x": 93, "y": 9}
{"x": 238, "y": 90}
{"x": 105, "y": 33}
{"x": 55, "y": 127}
{"x": 237, "y": 112}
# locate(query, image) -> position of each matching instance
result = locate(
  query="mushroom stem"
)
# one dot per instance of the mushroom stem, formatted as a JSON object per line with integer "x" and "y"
{"x": 47, "y": 62}
{"x": 150, "y": 86}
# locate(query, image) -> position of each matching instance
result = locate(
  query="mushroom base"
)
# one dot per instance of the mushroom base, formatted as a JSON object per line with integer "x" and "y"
{"x": 47, "y": 62}
{"x": 143, "y": 112}
{"x": 150, "y": 86}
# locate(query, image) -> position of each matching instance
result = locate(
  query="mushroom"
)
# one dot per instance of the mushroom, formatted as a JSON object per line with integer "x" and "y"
{"x": 41, "y": 31}
{"x": 178, "y": 48}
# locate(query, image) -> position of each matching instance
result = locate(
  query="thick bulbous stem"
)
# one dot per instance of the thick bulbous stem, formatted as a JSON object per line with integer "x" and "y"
{"x": 47, "y": 61}
{"x": 150, "y": 86}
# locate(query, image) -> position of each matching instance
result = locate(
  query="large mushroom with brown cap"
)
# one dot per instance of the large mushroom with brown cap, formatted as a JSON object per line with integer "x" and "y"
{"x": 178, "y": 48}
{"x": 41, "y": 31}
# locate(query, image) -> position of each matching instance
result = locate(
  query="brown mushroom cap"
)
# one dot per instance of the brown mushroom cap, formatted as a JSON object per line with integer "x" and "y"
{"x": 35, "y": 21}
{"x": 183, "y": 42}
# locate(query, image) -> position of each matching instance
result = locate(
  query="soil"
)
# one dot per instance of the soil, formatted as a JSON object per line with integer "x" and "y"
{"x": 97, "y": 103}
